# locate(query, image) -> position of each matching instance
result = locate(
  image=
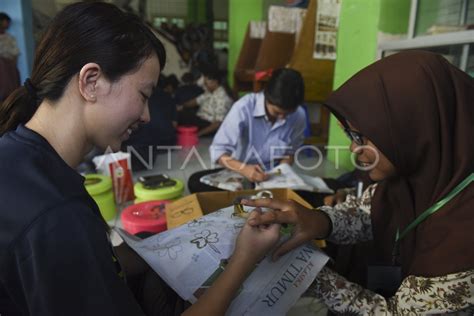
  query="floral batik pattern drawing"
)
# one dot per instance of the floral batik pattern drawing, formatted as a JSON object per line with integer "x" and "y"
{"x": 170, "y": 249}
{"x": 206, "y": 238}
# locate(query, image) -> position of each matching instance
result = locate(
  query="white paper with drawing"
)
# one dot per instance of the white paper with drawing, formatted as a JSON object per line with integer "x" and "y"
{"x": 191, "y": 256}
{"x": 283, "y": 176}
{"x": 225, "y": 180}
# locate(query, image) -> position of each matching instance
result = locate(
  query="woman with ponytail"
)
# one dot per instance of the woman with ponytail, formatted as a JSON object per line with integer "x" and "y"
{"x": 93, "y": 73}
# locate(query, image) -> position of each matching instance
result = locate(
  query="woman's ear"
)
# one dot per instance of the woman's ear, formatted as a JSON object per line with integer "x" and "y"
{"x": 88, "y": 81}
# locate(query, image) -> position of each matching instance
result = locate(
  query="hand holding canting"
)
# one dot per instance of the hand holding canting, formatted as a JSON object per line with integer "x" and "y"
{"x": 308, "y": 224}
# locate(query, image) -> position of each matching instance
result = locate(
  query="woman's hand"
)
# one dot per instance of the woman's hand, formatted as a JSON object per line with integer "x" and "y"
{"x": 338, "y": 197}
{"x": 254, "y": 242}
{"x": 308, "y": 224}
{"x": 254, "y": 173}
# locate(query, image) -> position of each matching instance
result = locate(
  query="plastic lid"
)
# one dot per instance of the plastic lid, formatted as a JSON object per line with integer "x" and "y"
{"x": 97, "y": 183}
{"x": 147, "y": 216}
{"x": 165, "y": 193}
{"x": 187, "y": 129}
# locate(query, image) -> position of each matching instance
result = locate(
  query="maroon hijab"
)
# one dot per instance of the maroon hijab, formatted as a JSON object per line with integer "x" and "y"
{"x": 418, "y": 110}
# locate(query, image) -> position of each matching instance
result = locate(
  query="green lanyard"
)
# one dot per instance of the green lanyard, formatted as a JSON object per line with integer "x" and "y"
{"x": 438, "y": 205}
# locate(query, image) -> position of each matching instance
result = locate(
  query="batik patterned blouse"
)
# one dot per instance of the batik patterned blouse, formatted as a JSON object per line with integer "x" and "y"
{"x": 451, "y": 294}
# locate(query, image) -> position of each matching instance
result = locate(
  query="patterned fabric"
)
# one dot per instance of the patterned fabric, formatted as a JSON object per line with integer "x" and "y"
{"x": 452, "y": 294}
{"x": 8, "y": 47}
{"x": 351, "y": 219}
{"x": 214, "y": 106}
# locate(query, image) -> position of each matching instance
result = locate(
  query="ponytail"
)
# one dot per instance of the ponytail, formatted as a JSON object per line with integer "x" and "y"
{"x": 18, "y": 108}
{"x": 81, "y": 33}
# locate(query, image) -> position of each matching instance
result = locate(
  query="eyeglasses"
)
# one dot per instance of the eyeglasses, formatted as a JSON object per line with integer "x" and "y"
{"x": 354, "y": 136}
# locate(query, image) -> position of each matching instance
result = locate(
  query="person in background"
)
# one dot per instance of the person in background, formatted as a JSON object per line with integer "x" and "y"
{"x": 86, "y": 90}
{"x": 170, "y": 84}
{"x": 410, "y": 118}
{"x": 9, "y": 52}
{"x": 208, "y": 110}
{"x": 222, "y": 60}
{"x": 202, "y": 53}
{"x": 160, "y": 131}
{"x": 261, "y": 130}
{"x": 188, "y": 90}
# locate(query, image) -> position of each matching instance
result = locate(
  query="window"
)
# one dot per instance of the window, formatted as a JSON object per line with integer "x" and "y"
{"x": 158, "y": 20}
{"x": 470, "y": 61}
{"x": 440, "y": 16}
{"x": 439, "y": 26}
{"x": 220, "y": 34}
{"x": 179, "y": 22}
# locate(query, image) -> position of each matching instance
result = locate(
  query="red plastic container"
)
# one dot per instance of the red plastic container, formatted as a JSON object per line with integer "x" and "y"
{"x": 147, "y": 216}
{"x": 187, "y": 136}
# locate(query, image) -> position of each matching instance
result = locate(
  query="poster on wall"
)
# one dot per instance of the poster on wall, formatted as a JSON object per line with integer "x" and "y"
{"x": 327, "y": 23}
{"x": 258, "y": 29}
{"x": 285, "y": 19}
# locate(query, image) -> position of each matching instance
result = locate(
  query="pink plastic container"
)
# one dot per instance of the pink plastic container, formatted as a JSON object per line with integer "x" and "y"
{"x": 147, "y": 216}
{"x": 187, "y": 136}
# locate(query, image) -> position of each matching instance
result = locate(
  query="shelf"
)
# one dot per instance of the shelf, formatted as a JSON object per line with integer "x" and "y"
{"x": 456, "y": 46}
{"x": 444, "y": 39}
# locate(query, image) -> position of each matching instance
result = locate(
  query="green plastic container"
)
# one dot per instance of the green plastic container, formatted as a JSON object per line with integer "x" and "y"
{"x": 100, "y": 188}
{"x": 168, "y": 193}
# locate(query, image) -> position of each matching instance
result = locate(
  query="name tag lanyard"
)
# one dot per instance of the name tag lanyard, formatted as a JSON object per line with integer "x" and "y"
{"x": 435, "y": 207}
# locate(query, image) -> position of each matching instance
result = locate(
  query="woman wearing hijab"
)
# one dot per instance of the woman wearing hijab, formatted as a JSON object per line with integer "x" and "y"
{"x": 410, "y": 117}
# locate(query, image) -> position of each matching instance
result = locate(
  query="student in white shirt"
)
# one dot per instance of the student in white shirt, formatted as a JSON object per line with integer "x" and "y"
{"x": 208, "y": 110}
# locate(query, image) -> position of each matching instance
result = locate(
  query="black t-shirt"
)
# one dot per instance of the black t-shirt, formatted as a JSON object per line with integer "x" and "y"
{"x": 55, "y": 257}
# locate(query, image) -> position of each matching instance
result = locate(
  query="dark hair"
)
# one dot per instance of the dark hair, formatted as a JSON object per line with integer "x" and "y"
{"x": 212, "y": 73}
{"x": 4, "y": 16}
{"x": 161, "y": 82}
{"x": 188, "y": 78}
{"x": 285, "y": 89}
{"x": 173, "y": 81}
{"x": 83, "y": 32}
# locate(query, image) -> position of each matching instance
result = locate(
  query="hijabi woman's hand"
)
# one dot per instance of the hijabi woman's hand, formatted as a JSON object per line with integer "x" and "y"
{"x": 338, "y": 197}
{"x": 308, "y": 224}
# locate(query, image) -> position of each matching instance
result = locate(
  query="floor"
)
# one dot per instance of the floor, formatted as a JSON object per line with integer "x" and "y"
{"x": 181, "y": 163}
